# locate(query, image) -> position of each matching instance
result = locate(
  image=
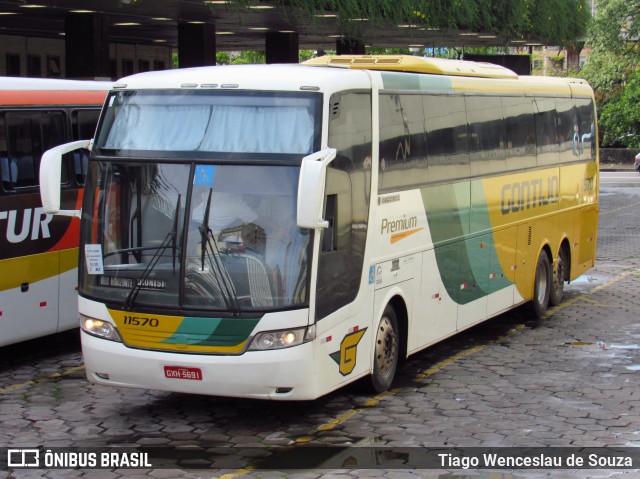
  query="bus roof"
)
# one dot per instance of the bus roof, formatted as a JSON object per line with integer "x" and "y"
{"x": 32, "y": 84}
{"x": 347, "y": 72}
{"x": 280, "y": 77}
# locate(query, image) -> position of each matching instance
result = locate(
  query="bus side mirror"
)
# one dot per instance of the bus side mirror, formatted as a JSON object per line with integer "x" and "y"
{"x": 313, "y": 175}
{"x": 50, "y": 170}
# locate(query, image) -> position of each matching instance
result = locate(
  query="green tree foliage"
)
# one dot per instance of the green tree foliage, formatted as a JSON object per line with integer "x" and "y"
{"x": 613, "y": 37}
{"x": 612, "y": 70}
{"x": 619, "y": 117}
{"x": 240, "y": 58}
{"x": 253, "y": 57}
{"x": 550, "y": 21}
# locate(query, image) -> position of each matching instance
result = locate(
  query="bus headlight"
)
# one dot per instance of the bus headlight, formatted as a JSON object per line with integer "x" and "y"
{"x": 99, "y": 328}
{"x": 281, "y": 339}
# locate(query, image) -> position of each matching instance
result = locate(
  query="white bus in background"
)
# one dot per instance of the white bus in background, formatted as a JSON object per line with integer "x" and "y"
{"x": 39, "y": 253}
{"x": 280, "y": 231}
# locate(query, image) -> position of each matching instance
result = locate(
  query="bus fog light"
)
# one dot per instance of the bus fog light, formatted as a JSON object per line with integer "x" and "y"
{"x": 284, "y": 338}
{"x": 99, "y": 328}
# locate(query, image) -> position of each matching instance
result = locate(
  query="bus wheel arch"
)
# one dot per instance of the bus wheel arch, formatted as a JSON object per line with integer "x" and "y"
{"x": 561, "y": 273}
{"x": 389, "y": 344}
{"x": 542, "y": 284}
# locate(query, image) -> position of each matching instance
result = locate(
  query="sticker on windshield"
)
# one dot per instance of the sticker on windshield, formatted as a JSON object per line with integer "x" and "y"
{"x": 204, "y": 175}
{"x": 93, "y": 258}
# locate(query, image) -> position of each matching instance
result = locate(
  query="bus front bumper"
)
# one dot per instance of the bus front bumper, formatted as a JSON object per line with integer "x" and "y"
{"x": 285, "y": 374}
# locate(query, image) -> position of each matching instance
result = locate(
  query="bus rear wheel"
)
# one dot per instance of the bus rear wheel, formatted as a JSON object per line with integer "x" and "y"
{"x": 559, "y": 273}
{"x": 386, "y": 351}
{"x": 542, "y": 286}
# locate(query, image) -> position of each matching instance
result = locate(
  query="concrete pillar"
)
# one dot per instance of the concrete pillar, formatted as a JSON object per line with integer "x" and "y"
{"x": 86, "y": 46}
{"x": 282, "y": 47}
{"x": 349, "y": 46}
{"x": 196, "y": 44}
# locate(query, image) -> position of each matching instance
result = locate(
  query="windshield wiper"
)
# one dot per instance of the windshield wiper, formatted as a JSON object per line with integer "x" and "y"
{"x": 174, "y": 234}
{"x": 133, "y": 294}
{"x": 171, "y": 238}
{"x": 204, "y": 229}
{"x": 219, "y": 271}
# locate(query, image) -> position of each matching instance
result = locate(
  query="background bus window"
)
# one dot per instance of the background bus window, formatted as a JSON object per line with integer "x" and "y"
{"x": 28, "y": 135}
{"x": 403, "y": 143}
{"x": 83, "y": 127}
{"x": 486, "y": 135}
{"x": 8, "y": 168}
{"x": 348, "y": 189}
{"x": 447, "y": 147}
{"x": 519, "y": 127}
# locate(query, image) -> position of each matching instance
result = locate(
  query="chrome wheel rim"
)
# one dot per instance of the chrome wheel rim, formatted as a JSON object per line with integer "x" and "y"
{"x": 542, "y": 284}
{"x": 386, "y": 346}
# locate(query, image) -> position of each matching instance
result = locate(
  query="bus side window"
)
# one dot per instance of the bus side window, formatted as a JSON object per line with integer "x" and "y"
{"x": 486, "y": 134}
{"x": 8, "y": 167}
{"x": 447, "y": 137}
{"x": 548, "y": 148}
{"x": 519, "y": 132}
{"x": 5, "y": 167}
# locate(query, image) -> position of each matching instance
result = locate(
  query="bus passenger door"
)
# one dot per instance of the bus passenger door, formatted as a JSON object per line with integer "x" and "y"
{"x": 333, "y": 267}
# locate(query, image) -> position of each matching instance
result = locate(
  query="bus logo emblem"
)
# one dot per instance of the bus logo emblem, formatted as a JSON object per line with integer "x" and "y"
{"x": 346, "y": 357}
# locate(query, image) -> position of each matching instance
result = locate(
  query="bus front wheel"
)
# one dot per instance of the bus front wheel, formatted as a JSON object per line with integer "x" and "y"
{"x": 386, "y": 351}
{"x": 542, "y": 286}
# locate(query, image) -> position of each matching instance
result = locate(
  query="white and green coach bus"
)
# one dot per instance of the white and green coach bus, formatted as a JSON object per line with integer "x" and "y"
{"x": 279, "y": 231}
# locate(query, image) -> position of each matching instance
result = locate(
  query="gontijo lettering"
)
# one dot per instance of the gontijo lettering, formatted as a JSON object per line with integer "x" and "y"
{"x": 527, "y": 194}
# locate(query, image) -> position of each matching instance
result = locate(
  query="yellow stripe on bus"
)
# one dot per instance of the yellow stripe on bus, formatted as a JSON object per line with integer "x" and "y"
{"x": 37, "y": 267}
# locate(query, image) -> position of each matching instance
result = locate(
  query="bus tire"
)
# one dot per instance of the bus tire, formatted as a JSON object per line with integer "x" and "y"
{"x": 541, "y": 287}
{"x": 557, "y": 283}
{"x": 386, "y": 351}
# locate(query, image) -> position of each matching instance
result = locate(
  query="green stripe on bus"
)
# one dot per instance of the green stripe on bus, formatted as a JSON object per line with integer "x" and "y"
{"x": 212, "y": 331}
{"x": 465, "y": 257}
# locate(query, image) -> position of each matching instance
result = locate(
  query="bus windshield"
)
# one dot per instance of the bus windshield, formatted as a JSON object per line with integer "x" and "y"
{"x": 209, "y": 123}
{"x": 194, "y": 236}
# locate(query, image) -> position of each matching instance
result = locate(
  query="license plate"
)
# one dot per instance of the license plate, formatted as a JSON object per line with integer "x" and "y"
{"x": 179, "y": 372}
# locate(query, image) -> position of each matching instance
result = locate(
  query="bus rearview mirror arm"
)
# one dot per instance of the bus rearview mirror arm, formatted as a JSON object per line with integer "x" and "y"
{"x": 313, "y": 175}
{"x": 50, "y": 171}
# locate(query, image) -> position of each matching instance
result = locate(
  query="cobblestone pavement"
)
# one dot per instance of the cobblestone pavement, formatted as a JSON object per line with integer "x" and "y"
{"x": 508, "y": 382}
